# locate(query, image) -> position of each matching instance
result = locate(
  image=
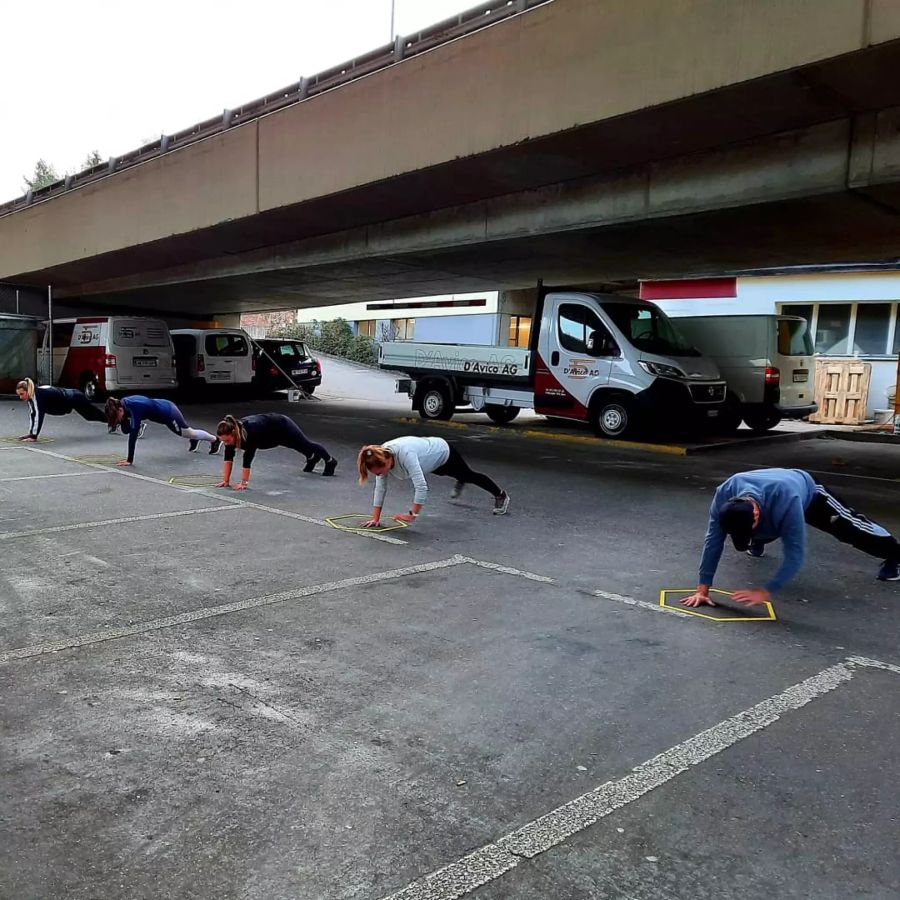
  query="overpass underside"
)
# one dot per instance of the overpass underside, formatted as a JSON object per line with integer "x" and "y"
{"x": 800, "y": 167}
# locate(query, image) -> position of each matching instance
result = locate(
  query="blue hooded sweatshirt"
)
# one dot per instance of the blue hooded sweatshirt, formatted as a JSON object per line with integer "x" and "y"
{"x": 782, "y": 495}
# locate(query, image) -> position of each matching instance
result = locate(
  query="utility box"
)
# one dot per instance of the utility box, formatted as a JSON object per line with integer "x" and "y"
{"x": 18, "y": 350}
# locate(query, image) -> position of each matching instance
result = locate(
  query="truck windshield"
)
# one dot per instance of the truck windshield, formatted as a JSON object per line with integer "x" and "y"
{"x": 648, "y": 329}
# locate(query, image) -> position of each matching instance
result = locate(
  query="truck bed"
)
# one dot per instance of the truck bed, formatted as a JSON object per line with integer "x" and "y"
{"x": 468, "y": 362}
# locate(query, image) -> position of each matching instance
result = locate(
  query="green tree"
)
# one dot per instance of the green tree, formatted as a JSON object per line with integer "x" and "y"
{"x": 44, "y": 174}
{"x": 92, "y": 159}
{"x": 335, "y": 337}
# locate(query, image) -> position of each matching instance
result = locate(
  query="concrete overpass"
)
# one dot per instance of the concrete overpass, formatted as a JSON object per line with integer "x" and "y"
{"x": 580, "y": 140}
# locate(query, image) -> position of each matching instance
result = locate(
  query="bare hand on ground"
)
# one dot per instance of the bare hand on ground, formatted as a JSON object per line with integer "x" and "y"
{"x": 240, "y": 486}
{"x": 752, "y": 597}
{"x": 123, "y": 462}
{"x": 224, "y": 484}
{"x": 28, "y": 437}
{"x": 404, "y": 517}
{"x": 372, "y": 523}
{"x": 696, "y": 599}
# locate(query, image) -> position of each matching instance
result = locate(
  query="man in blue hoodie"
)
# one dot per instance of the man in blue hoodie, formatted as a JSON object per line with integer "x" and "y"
{"x": 756, "y": 508}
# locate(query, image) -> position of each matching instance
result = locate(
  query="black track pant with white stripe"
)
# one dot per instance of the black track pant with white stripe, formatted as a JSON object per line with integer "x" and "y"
{"x": 828, "y": 513}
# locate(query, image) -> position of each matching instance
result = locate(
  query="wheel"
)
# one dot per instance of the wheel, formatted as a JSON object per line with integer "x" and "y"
{"x": 434, "y": 402}
{"x": 614, "y": 418}
{"x": 502, "y": 415}
{"x": 762, "y": 421}
{"x": 89, "y": 386}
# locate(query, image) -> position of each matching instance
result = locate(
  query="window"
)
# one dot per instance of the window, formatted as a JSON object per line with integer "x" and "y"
{"x": 833, "y": 329}
{"x": 366, "y": 328}
{"x": 577, "y": 324}
{"x": 649, "y": 329}
{"x": 404, "y": 329}
{"x": 62, "y": 335}
{"x": 519, "y": 331}
{"x": 794, "y": 338}
{"x": 872, "y": 322}
{"x": 226, "y": 345}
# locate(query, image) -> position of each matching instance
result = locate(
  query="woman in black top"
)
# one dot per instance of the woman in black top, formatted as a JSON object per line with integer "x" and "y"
{"x": 54, "y": 401}
{"x": 263, "y": 432}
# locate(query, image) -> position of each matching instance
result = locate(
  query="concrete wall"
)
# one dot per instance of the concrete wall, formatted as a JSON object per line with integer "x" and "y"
{"x": 562, "y": 65}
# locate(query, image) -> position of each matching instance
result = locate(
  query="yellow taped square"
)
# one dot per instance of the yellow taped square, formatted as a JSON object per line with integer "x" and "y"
{"x": 338, "y": 522}
{"x": 15, "y": 440}
{"x": 669, "y": 597}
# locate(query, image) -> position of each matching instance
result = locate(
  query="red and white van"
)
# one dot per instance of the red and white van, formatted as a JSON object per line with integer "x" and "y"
{"x": 106, "y": 354}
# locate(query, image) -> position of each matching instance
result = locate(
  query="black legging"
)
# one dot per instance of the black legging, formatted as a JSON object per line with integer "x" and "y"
{"x": 83, "y": 406}
{"x": 456, "y": 467}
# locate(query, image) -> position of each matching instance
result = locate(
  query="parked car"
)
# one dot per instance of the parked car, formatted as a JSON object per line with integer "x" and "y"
{"x": 278, "y": 358}
{"x": 207, "y": 357}
{"x": 767, "y": 362}
{"x": 103, "y": 354}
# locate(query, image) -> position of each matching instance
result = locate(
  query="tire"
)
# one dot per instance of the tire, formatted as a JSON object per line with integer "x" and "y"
{"x": 761, "y": 422}
{"x": 614, "y": 417}
{"x": 434, "y": 402}
{"x": 89, "y": 387}
{"x": 502, "y": 415}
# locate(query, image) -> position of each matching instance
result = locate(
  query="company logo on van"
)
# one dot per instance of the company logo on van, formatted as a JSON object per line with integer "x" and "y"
{"x": 580, "y": 368}
{"x": 490, "y": 368}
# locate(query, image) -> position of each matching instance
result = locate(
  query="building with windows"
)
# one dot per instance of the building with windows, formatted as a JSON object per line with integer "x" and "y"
{"x": 851, "y": 314}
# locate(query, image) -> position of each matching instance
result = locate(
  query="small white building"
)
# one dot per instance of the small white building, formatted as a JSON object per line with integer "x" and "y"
{"x": 852, "y": 314}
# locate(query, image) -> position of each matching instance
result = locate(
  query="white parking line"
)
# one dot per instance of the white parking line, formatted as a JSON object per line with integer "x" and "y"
{"x": 493, "y": 860}
{"x": 12, "y": 535}
{"x": 385, "y": 538}
{"x": 643, "y": 604}
{"x": 207, "y": 612}
{"x": 54, "y": 475}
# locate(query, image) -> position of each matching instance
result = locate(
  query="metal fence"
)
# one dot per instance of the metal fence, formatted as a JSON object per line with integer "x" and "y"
{"x": 403, "y": 47}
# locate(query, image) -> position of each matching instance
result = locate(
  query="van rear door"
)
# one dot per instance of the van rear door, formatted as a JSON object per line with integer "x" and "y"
{"x": 143, "y": 353}
{"x": 228, "y": 359}
{"x": 793, "y": 357}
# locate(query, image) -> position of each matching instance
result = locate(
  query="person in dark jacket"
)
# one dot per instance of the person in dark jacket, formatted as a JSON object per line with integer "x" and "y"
{"x": 756, "y": 508}
{"x": 264, "y": 432}
{"x": 53, "y": 401}
{"x": 132, "y": 412}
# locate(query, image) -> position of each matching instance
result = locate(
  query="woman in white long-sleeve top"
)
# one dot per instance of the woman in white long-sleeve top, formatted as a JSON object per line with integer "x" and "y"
{"x": 413, "y": 458}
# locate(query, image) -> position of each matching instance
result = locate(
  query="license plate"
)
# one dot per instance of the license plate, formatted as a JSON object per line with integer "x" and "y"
{"x": 712, "y": 413}
{"x": 220, "y": 376}
{"x": 144, "y": 361}
{"x": 300, "y": 372}
{"x": 801, "y": 375}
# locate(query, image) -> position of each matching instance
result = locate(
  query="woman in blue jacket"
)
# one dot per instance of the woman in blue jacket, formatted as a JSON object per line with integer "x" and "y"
{"x": 131, "y": 412}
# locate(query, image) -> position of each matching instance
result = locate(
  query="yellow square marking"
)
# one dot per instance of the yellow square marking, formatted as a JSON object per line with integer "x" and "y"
{"x": 195, "y": 480}
{"x": 15, "y": 440}
{"x": 663, "y": 598}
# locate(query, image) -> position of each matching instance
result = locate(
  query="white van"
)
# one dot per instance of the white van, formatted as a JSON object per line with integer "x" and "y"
{"x": 766, "y": 360}
{"x": 213, "y": 356}
{"x": 105, "y": 354}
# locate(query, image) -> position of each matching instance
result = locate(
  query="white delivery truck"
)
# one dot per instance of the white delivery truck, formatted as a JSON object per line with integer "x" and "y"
{"x": 766, "y": 360}
{"x": 615, "y": 362}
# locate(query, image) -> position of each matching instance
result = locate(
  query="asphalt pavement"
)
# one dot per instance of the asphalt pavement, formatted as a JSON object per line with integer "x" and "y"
{"x": 210, "y": 694}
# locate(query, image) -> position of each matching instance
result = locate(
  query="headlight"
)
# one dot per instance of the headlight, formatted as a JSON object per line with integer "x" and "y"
{"x": 655, "y": 368}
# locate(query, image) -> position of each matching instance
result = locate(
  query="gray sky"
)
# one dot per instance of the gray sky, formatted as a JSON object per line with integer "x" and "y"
{"x": 109, "y": 76}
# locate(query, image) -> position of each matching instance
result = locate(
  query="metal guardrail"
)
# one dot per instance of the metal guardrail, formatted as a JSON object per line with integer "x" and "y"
{"x": 403, "y": 47}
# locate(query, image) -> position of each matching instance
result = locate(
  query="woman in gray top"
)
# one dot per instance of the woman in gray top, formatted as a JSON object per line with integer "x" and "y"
{"x": 413, "y": 458}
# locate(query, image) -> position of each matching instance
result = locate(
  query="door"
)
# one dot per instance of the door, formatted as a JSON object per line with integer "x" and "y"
{"x": 794, "y": 360}
{"x": 576, "y": 355}
{"x": 228, "y": 359}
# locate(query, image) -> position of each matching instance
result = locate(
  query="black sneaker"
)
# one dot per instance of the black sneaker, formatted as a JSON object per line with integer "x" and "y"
{"x": 456, "y": 493}
{"x": 757, "y": 549}
{"x": 214, "y": 447}
{"x": 501, "y": 504}
{"x": 143, "y": 429}
{"x": 193, "y": 444}
{"x": 889, "y": 571}
{"x": 311, "y": 463}
{"x": 330, "y": 466}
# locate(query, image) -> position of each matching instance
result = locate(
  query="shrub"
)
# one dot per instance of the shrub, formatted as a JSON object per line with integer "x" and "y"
{"x": 335, "y": 337}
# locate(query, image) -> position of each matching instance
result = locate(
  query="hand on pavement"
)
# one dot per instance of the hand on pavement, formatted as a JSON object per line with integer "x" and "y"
{"x": 372, "y": 523}
{"x": 696, "y": 599}
{"x": 224, "y": 484}
{"x": 28, "y": 437}
{"x": 123, "y": 462}
{"x": 404, "y": 517}
{"x": 752, "y": 597}
{"x": 241, "y": 486}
